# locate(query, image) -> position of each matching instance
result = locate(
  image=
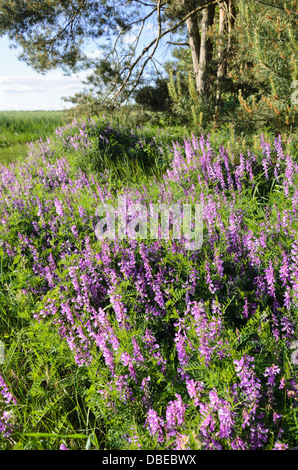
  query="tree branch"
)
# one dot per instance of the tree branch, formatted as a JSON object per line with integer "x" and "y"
{"x": 154, "y": 43}
{"x": 178, "y": 43}
{"x": 270, "y": 5}
{"x": 70, "y": 22}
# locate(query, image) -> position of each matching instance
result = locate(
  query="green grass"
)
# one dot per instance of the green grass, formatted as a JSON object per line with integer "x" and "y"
{"x": 59, "y": 402}
{"x": 19, "y": 127}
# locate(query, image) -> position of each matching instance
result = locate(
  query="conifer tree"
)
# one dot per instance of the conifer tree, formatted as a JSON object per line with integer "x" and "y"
{"x": 240, "y": 54}
{"x": 54, "y": 33}
{"x": 265, "y": 63}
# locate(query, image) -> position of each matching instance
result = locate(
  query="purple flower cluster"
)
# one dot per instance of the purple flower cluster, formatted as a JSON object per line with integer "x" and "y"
{"x": 216, "y": 414}
{"x": 153, "y": 314}
{"x": 75, "y": 136}
{"x": 5, "y": 392}
{"x": 168, "y": 429}
{"x": 248, "y": 392}
{"x": 6, "y": 426}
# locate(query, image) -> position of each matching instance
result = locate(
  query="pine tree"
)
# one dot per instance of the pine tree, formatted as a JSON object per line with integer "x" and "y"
{"x": 265, "y": 63}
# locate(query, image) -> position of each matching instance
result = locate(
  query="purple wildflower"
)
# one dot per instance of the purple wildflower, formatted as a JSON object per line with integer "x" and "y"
{"x": 6, "y": 427}
{"x": 194, "y": 389}
{"x": 59, "y": 207}
{"x": 63, "y": 447}
{"x": 259, "y": 436}
{"x": 127, "y": 361}
{"x": 5, "y": 392}
{"x": 181, "y": 343}
{"x": 151, "y": 344}
{"x": 280, "y": 446}
{"x": 175, "y": 415}
{"x": 155, "y": 424}
{"x": 269, "y": 274}
{"x": 208, "y": 331}
{"x": 284, "y": 270}
{"x": 245, "y": 309}
{"x": 238, "y": 444}
{"x": 226, "y": 421}
{"x": 138, "y": 357}
{"x": 208, "y": 278}
{"x": 218, "y": 263}
{"x": 270, "y": 373}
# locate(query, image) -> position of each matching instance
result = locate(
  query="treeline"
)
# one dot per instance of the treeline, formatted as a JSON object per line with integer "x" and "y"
{"x": 244, "y": 71}
{"x": 233, "y": 61}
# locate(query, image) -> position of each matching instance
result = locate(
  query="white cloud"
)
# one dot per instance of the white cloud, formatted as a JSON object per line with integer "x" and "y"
{"x": 39, "y": 83}
{"x": 150, "y": 28}
{"x": 24, "y": 92}
{"x": 129, "y": 38}
{"x": 149, "y": 31}
{"x": 94, "y": 54}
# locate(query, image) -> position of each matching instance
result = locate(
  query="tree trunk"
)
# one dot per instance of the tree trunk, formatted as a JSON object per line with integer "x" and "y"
{"x": 231, "y": 22}
{"x": 194, "y": 43}
{"x": 205, "y": 48}
{"x": 222, "y": 63}
{"x": 226, "y": 21}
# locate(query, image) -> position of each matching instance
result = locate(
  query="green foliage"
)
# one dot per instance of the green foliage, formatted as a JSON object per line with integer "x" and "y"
{"x": 52, "y": 33}
{"x": 17, "y": 128}
{"x": 154, "y": 98}
{"x": 250, "y": 83}
{"x": 86, "y": 406}
{"x": 48, "y": 220}
{"x": 124, "y": 153}
{"x": 258, "y": 88}
{"x": 264, "y": 67}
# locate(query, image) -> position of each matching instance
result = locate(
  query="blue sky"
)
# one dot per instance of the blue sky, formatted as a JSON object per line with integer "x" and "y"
{"x": 21, "y": 88}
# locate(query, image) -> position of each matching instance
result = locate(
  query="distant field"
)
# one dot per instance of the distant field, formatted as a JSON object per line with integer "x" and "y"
{"x": 19, "y": 127}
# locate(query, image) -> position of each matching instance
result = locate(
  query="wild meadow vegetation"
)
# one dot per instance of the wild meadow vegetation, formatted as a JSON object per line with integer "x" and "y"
{"x": 19, "y": 127}
{"x": 136, "y": 342}
{"x": 132, "y": 343}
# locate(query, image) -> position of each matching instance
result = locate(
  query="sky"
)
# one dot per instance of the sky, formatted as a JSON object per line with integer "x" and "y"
{"x": 21, "y": 88}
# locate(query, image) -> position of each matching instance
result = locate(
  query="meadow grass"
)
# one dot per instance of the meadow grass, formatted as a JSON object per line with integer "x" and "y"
{"x": 140, "y": 344}
{"x": 17, "y": 128}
